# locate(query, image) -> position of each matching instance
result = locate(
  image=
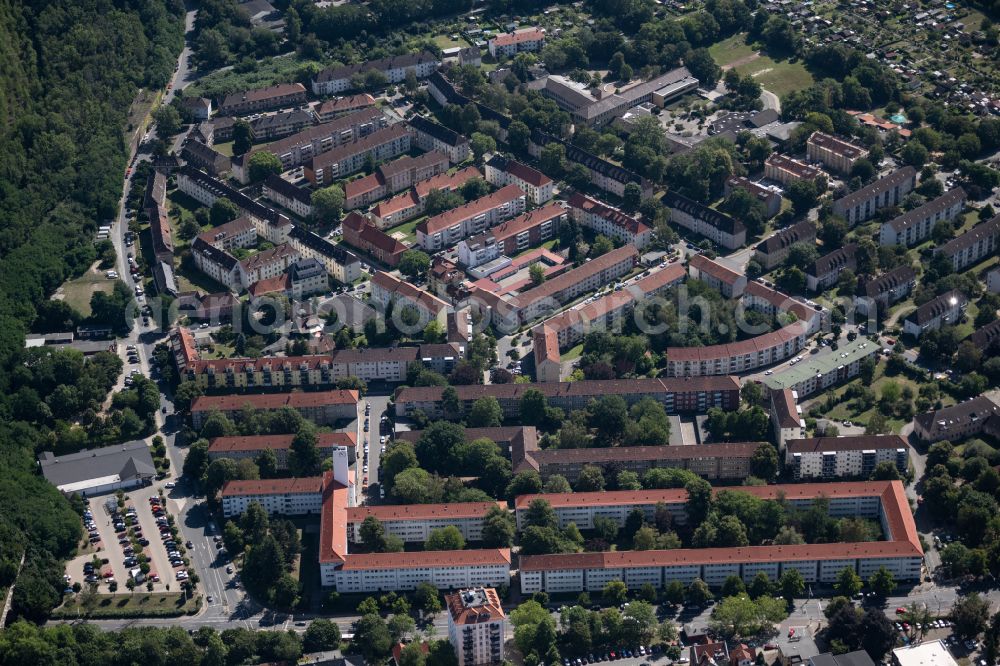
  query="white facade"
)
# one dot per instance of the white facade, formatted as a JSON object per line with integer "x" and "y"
{"x": 538, "y": 194}
{"x": 443, "y": 577}
{"x": 830, "y": 464}
{"x": 280, "y": 504}
{"x": 414, "y": 531}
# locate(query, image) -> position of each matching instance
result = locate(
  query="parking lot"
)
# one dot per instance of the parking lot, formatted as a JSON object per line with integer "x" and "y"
{"x": 110, "y": 549}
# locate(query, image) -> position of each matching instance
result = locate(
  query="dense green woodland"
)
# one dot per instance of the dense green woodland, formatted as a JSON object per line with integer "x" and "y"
{"x": 69, "y": 70}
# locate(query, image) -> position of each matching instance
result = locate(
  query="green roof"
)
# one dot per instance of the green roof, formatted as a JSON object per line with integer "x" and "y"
{"x": 821, "y": 363}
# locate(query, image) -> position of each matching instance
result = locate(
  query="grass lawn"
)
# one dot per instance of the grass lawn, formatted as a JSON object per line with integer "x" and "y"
{"x": 197, "y": 281}
{"x": 408, "y": 229}
{"x": 730, "y": 50}
{"x": 779, "y": 77}
{"x": 136, "y": 604}
{"x": 78, "y": 292}
{"x": 181, "y": 208}
{"x": 139, "y": 111}
{"x": 446, "y": 42}
{"x": 574, "y": 353}
{"x": 224, "y": 148}
{"x": 844, "y": 411}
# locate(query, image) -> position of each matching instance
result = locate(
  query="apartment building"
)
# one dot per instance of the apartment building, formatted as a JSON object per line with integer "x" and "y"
{"x": 786, "y": 416}
{"x": 973, "y": 246}
{"x": 718, "y": 227}
{"x": 329, "y": 109}
{"x": 603, "y": 219}
{"x": 728, "y": 282}
{"x": 273, "y": 126}
{"x": 605, "y": 175}
{"x": 786, "y": 170}
{"x": 251, "y": 446}
{"x": 502, "y": 171}
{"x": 545, "y": 344}
{"x": 288, "y": 196}
{"x": 155, "y": 205}
{"x": 410, "y": 204}
{"x": 762, "y": 298}
{"x": 334, "y": 80}
{"x": 843, "y": 457}
{"x": 393, "y": 177}
{"x": 267, "y": 264}
{"x": 956, "y": 422}
{"x": 946, "y": 309}
{"x": 478, "y": 250}
{"x": 993, "y": 281}
{"x": 608, "y": 312}
{"x": 768, "y": 197}
{"x": 299, "y": 148}
{"x": 448, "y": 228}
{"x": 262, "y": 99}
{"x": 774, "y": 249}
{"x": 321, "y": 407}
{"x": 834, "y": 153}
{"x": 386, "y": 289}
{"x": 477, "y": 626}
{"x": 200, "y": 108}
{"x": 342, "y": 265}
{"x": 863, "y": 204}
{"x": 509, "y": 44}
{"x": 204, "y": 157}
{"x": 884, "y": 290}
{"x": 429, "y": 135}
{"x": 987, "y": 337}
{"x": 413, "y": 523}
{"x": 307, "y": 277}
{"x": 271, "y": 225}
{"x": 524, "y": 231}
{"x": 817, "y": 373}
{"x": 279, "y": 497}
{"x": 382, "y": 144}
{"x": 825, "y": 271}
{"x": 231, "y": 235}
{"x": 916, "y": 225}
{"x": 901, "y": 553}
{"x": 676, "y": 395}
{"x": 444, "y": 569}
{"x": 359, "y": 232}
{"x": 216, "y": 263}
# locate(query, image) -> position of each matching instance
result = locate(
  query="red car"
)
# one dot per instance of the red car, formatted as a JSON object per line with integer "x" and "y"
{"x": 900, "y": 610}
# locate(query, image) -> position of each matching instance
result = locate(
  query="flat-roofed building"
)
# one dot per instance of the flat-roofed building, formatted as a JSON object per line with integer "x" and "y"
{"x": 429, "y": 135}
{"x": 863, "y": 204}
{"x": 279, "y": 497}
{"x": 251, "y": 446}
{"x": 840, "y": 457}
{"x": 321, "y": 407}
{"x": 501, "y": 171}
{"x": 604, "y": 219}
{"x": 943, "y": 310}
{"x": 833, "y": 152}
{"x": 444, "y": 569}
{"x": 914, "y": 226}
{"x": 448, "y": 228}
{"x": 262, "y": 99}
{"x": 956, "y": 422}
{"x": 816, "y": 373}
{"x": 413, "y": 523}
{"x": 928, "y": 653}
{"x": 786, "y": 170}
{"x": 768, "y": 197}
{"x": 718, "y": 227}
{"x": 786, "y": 416}
{"x": 382, "y": 144}
{"x": 973, "y": 246}
{"x": 773, "y": 250}
{"x": 729, "y": 283}
{"x": 825, "y": 271}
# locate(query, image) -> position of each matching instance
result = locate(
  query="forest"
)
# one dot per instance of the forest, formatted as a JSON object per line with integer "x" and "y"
{"x": 69, "y": 73}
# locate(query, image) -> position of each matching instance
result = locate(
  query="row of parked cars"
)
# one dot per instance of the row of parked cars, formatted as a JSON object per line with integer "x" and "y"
{"x": 167, "y": 535}
{"x": 613, "y": 655}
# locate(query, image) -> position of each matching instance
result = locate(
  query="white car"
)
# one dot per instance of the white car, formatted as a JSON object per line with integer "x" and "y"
{"x": 366, "y": 469}
{"x": 170, "y": 484}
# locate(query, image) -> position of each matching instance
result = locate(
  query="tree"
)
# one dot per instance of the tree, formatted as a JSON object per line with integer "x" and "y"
{"x": 743, "y": 616}
{"x": 242, "y": 137}
{"x": 632, "y": 196}
{"x": 970, "y": 614}
{"x": 262, "y": 164}
{"x": 792, "y": 584}
{"x": 263, "y": 566}
{"x": 591, "y": 479}
{"x": 615, "y": 592}
{"x": 698, "y": 593}
{"x": 322, "y": 634}
{"x": 764, "y": 462}
{"x": 328, "y": 204}
{"x": 553, "y": 159}
{"x": 537, "y": 274}
{"x": 703, "y": 67}
{"x": 372, "y": 637}
{"x": 848, "y": 582}
{"x": 426, "y": 598}
{"x": 412, "y": 654}
{"x": 802, "y": 194}
{"x": 882, "y": 582}
{"x": 304, "y": 458}
{"x": 540, "y": 514}
{"x": 885, "y": 471}
{"x": 222, "y": 211}
{"x": 760, "y": 586}
{"x": 414, "y": 263}
{"x": 498, "y": 528}
{"x": 232, "y": 537}
{"x": 445, "y": 538}
{"x": 481, "y": 144}
{"x": 254, "y": 523}
{"x": 485, "y": 413}
{"x": 533, "y": 407}
{"x": 168, "y": 121}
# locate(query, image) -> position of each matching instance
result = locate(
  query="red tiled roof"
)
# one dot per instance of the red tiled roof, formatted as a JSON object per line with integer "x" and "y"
{"x": 270, "y": 285}
{"x": 530, "y": 35}
{"x": 601, "y": 209}
{"x": 345, "y": 103}
{"x": 783, "y": 401}
{"x": 713, "y": 268}
{"x": 546, "y": 344}
{"x": 837, "y": 146}
{"x": 333, "y": 522}
{"x": 451, "y": 217}
{"x": 732, "y": 350}
{"x": 313, "y": 484}
{"x": 403, "y": 288}
{"x": 204, "y": 403}
{"x": 455, "y": 510}
{"x": 274, "y": 442}
{"x": 526, "y": 221}
{"x": 555, "y": 285}
{"x": 622, "y": 453}
{"x": 427, "y": 558}
{"x": 490, "y": 610}
{"x": 527, "y": 174}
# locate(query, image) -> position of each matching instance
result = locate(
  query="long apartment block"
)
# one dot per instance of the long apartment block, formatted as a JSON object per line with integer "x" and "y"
{"x": 863, "y": 204}
{"x": 393, "y": 177}
{"x": 321, "y": 407}
{"x": 448, "y": 228}
{"x": 973, "y": 246}
{"x": 676, "y": 395}
{"x": 916, "y": 225}
{"x": 900, "y": 552}
{"x": 333, "y": 80}
{"x": 285, "y": 497}
{"x": 604, "y": 219}
{"x": 718, "y": 227}
{"x": 206, "y": 190}
{"x": 843, "y": 457}
{"x": 773, "y": 250}
{"x": 833, "y": 152}
{"x": 413, "y": 523}
{"x": 382, "y": 144}
{"x": 239, "y": 447}
{"x": 410, "y": 204}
